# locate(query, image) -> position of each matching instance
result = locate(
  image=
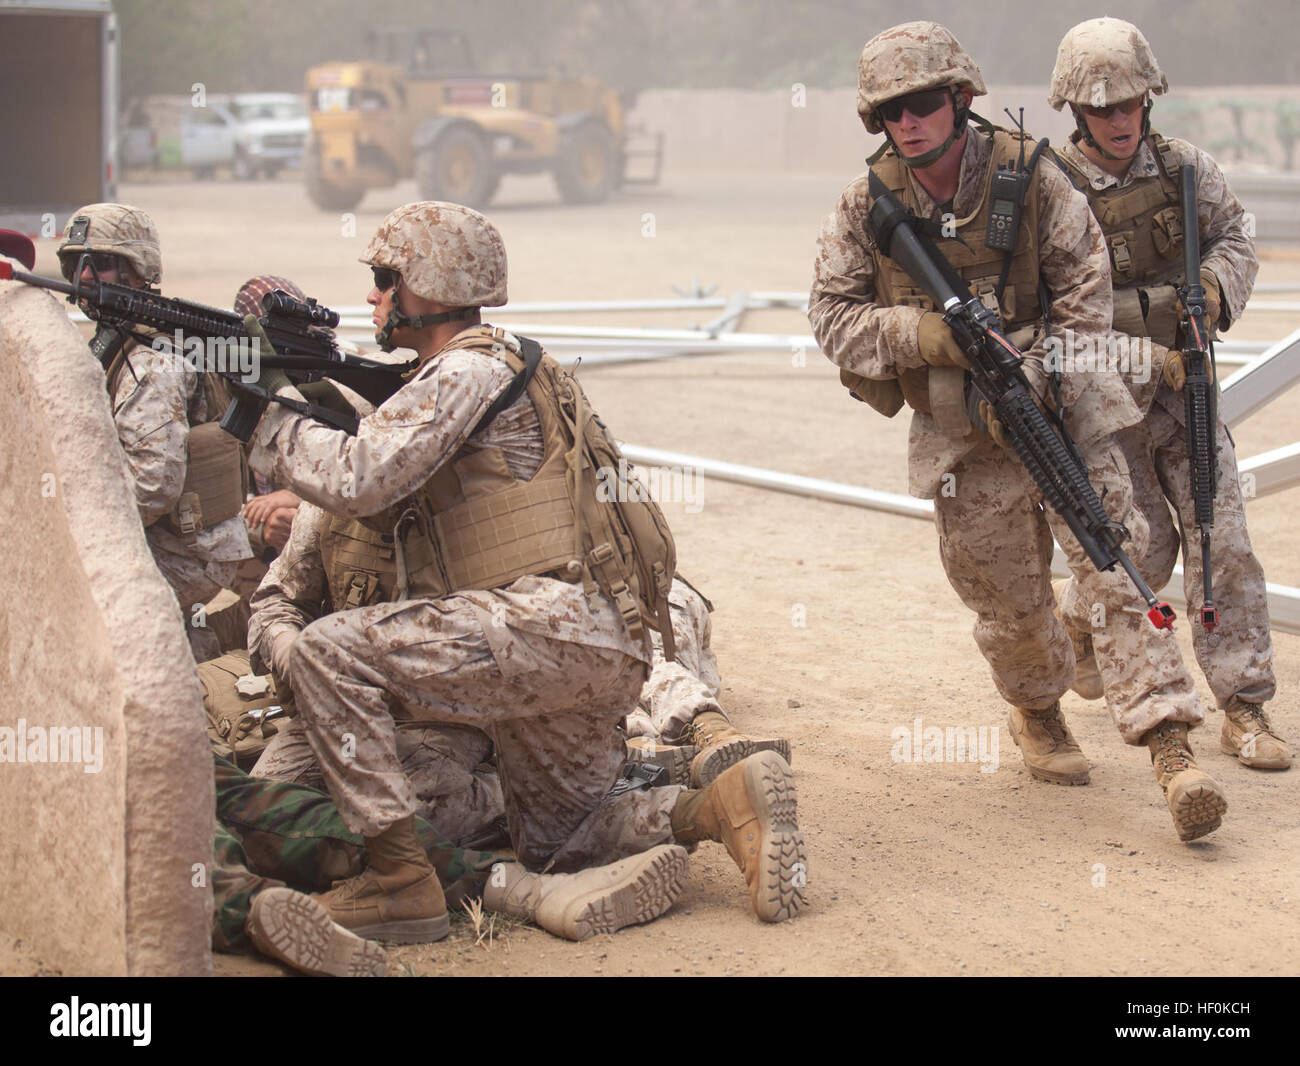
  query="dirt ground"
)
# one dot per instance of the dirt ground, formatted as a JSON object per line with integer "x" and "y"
{"x": 834, "y": 626}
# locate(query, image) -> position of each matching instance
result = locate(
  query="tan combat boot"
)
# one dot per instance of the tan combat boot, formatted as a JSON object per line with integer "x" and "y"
{"x": 751, "y": 810}
{"x": 1248, "y": 734}
{"x": 674, "y": 758}
{"x": 1195, "y": 799}
{"x": 1047, "y": 746}
{"x": 397, "y": 896}
{"x": 1087, "y": 678}
{"x": 602, "y": 899}
{"x": 295, "y": 929}
{"x": 719, "y": 746}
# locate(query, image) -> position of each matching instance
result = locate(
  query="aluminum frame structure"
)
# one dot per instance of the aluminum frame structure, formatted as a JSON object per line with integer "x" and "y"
{"x": 721, "y": 334}
{"x": 1246, "y": 392}
{"x": 1266, "y": 372}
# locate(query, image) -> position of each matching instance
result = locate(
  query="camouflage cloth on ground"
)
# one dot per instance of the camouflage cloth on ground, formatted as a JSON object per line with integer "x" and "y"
{"x": 272, "y": 833}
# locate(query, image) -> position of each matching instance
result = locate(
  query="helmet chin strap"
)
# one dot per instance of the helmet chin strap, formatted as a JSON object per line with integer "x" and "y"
{"x": 1086, "y": 134}
{"x": 397, "y": 320}
{"x": 960, "y": 113}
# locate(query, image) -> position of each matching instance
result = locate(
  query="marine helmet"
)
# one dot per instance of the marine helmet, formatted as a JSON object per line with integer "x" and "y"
{"x": 912, "y": 58}
{"x": 1103, "y": 62}
{"x": 1100, "y": 63}
{"x": 444, "y": 252}
{"x": 117, "y": 229}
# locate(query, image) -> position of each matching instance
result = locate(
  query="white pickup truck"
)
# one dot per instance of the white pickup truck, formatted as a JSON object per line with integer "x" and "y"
{"x": 251, "y": 133}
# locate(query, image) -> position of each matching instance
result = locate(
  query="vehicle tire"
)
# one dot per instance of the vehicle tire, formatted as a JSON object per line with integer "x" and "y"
{"x": 326, "y": 196}
{"x": 457, "y": 168}
{"x": 242, "y": 168}
{"x": 204, "y": 173}
{"x": 587, "y": 167}
{"x": 270, "y": 171}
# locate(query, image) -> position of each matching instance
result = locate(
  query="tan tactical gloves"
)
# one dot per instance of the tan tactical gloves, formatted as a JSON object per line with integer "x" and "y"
{"x": 1213, "y": 301}
{"x": 1175, "y": 368}
{"x": 938, "y": 346}
{"x": 1042, "y": 394}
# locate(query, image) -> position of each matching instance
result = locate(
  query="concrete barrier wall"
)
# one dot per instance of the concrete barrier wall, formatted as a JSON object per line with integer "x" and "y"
{"x": 818, "y": 129}
{"x": 106, "y": 793}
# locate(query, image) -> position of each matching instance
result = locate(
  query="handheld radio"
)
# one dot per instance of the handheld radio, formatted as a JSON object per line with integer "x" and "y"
{"x": 1007, "y": 198}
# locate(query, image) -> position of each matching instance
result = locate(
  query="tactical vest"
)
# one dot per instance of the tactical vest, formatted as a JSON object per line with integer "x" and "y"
{"x": 242, "y": 709}
{"x": 1143, "y": 226}
{"x": 216, "y": 469}
{"x": 978, "y": 265}
{"x": 474, "y": 525}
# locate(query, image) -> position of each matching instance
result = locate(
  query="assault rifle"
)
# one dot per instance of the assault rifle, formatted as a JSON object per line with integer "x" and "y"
{"x": 1045, "y": 448}
{"x": 303, "y": 350}
{"x": 1200, "y": 394}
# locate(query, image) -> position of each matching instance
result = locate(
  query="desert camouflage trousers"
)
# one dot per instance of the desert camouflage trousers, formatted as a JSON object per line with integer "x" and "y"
{"x": 553, "y": 720}
{"x": 456, "y": 790}
{"x": 272, "y": 833}
{"x": 678, "y": 691}
{"x": 1142, "y": 669}
{"x": 997, "y": 551}
{"x": 195, "y": 582}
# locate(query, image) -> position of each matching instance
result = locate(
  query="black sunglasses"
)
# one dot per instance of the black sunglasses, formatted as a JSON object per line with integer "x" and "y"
{"x": 1126, "y": 107}
{"x": 918, "y": 104}
{"x": 385, "y": 278}
{"x": 102, "y": 262}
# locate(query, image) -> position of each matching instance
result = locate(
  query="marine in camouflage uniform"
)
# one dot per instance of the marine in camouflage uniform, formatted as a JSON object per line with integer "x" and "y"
{"x": 446, "y": 764}
{"x": 156, "y": 400}
{"x": 260, "y": 511}
{"x": 873, "y": 322}
{"x": 1106, "y": 71}
{"x": 545, "y": 667}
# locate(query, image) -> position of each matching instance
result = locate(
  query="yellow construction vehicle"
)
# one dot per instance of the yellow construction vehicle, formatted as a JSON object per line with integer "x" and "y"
{"x": 414, "y": 109}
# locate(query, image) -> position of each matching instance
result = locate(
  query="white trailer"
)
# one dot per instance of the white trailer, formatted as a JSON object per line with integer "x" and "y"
{"x": 58, "y": 111}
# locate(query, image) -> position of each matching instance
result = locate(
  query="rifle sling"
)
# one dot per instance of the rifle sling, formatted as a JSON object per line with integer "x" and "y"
{"x": 532, "y": 359}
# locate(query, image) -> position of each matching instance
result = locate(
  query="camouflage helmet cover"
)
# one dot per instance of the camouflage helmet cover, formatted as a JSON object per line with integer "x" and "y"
{"x": 911, "y": 58}
{"x": 118, "y": 229}
{"x": 1103, "y": 62}
{"x": 248, "y": 300}
{"x": 444, "y": 252}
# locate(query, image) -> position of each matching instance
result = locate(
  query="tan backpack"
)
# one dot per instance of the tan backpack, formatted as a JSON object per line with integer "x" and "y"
{"x": 629, "y": 548}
